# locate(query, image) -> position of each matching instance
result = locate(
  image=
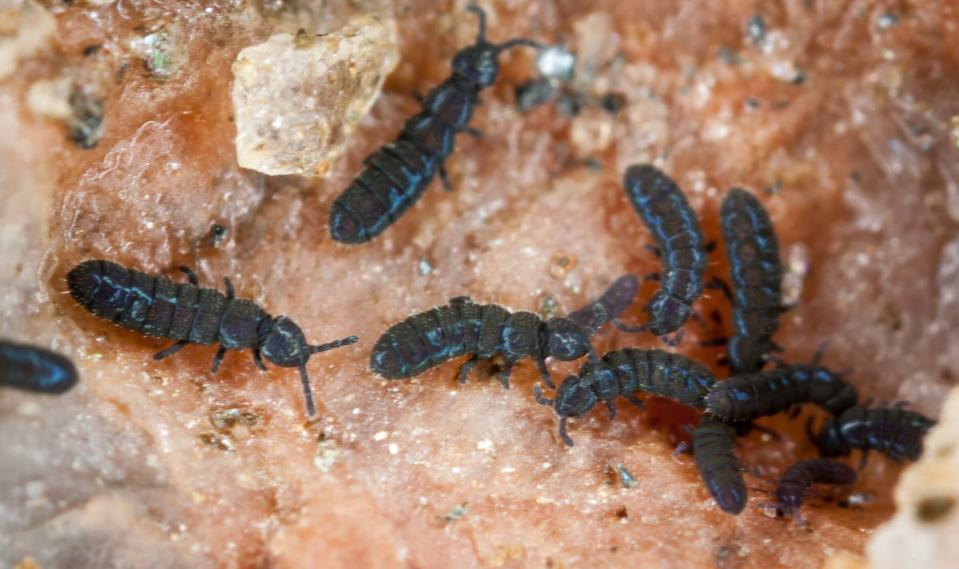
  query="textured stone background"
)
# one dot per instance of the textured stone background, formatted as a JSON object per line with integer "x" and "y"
{"x": 842, "y": 115}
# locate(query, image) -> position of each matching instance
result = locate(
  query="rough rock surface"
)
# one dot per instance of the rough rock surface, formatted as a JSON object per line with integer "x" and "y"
{"x": 298, "y": 97}
{"x": 25, "y": 27}
{"x": 923, "y": 532}
{"x": 840, "y": 114}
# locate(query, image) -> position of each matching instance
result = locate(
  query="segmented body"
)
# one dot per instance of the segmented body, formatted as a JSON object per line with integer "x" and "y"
{"x": 661, "y": 373}
{"x": 717, "y": 463}
{"x": 462, "y": 327}
{"x": 745, "y": 397}
{"x": 427, "y": 339}
{"x": 673, "y": 225}
{"x": 796, "y": 480}
{"x": 753, "y": 252}
{"x": 624, "y": 373}
{"x": 36, "y": 369}
{"x": 396, "y": 175}
{"x": 158, "y": 307}
{"x": 893, "y": 431}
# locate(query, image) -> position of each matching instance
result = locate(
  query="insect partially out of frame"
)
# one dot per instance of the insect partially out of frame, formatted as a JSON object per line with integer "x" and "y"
{"x": 158, "y": 307}
{"x": 36, "y": 369}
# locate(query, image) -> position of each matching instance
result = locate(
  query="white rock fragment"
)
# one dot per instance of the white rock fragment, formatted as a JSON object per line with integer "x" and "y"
{"x": 924, "y": 529}
{"x": 25, "y": 27}
{"x": 297, "y": 98}
{"x": 326, "y": 453}
{"x": 50, "y": 98}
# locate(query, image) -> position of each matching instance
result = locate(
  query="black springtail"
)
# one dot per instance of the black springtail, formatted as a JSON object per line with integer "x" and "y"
{"x": 396, "y": 175}
{"x": 753, "y": 251}
{"x": 36, "y": 369}
{"x": 624, "y": 373}
{"x": 158, "y": 307}
{"x": 796, "y": 480}
{"x": 746, "y": 397}
{"x": 462, "y": 327}
{"x": 674, "y": 227}
{"x": 893, "y": 431}
{"x": 718, "y": 466}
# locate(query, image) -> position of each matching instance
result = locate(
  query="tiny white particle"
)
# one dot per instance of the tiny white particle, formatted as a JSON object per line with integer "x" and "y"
{"x": 508, "y": 469}
{"x": 484, "y": 444}
{"x": 356, "y": 410}
{"x": 555, "y": 62}
{"x": 545, "y": 465}
{"x": 393, "y": 448}
{"x": 455, "y": 470}
{"x": 380, "y": 436}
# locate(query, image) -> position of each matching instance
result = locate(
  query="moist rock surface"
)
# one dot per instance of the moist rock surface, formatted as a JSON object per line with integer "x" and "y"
{"x": 840, "y": 115}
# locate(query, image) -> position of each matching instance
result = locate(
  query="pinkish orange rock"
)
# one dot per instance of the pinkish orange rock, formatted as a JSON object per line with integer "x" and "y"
{"x": 840, "y": 114}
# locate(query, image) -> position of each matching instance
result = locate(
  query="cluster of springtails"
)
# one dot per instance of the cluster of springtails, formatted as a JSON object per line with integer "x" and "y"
{"x": 463, "y": 328}
{"x": 394, "y": 178}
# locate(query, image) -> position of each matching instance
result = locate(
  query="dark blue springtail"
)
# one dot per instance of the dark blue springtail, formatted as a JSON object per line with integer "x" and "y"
{"x": 623, "y": 373}
{"x": 461, "y": 327}
{"x": 893, "y": 431}
{"x": 671, "y": 221}
{"x": 36, "y": 369}
{"x": 161, "y": 308}
{"x": 718, "y": 466}
{"x": 791, "y": 491}
{"x": 746, "y": 397}
{"x": 396, "y": 175}
{"x": 753, "y": 251}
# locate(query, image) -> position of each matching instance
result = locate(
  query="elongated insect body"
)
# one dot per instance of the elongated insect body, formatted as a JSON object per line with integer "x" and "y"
{"x": 35, "y": 369}
{"x": 674, "y": 227}
{"x": 718, "y": 466}
{"x": 796, "y": 480}
{"x": 396, "y": 175}
{"x": 893, "y": 431}
{"x": 158, "y": 307}
{"x": 623, "y": 373}
{"x": 753, "y": 251}
{"x": 462, "y": 327}
{"x": 746, "y": 397}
